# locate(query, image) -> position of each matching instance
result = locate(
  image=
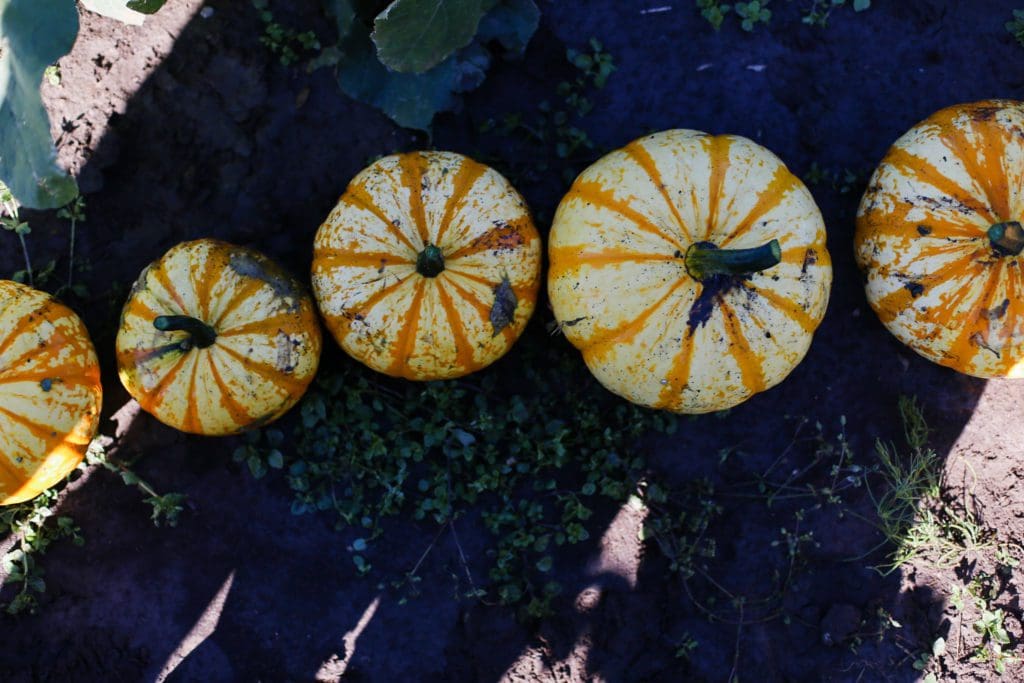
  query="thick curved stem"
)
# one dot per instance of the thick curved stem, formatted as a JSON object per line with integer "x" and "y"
{"x": 202, "y": 335}
{"x": 704, "y": 260}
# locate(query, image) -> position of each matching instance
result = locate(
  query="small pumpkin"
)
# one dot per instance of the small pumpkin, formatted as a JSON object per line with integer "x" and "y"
{"x": 216, "y": 338}
{"x": 428, "y": 267}
{"x": 50, "y": 393}
{"x": 940, "y": 238}
{"x": 690, "y": 269}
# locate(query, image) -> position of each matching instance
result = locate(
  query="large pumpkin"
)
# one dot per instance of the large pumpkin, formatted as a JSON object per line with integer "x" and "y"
{"x": 50, "y": 392}
{"x": 690, "y": 270}
{"x": 216, "y": 338}
{"x": 939, "y": 238}
{"x": 428, "y": 267}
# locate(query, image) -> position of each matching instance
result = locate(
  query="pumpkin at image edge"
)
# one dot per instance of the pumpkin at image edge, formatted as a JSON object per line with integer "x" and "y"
{"x": 50, "y": 392}
{"x": 428, "y": 267}
{"x": 690, "y": 270}
{"x": 939, "y": 238}
{"x": 215, "y": 339}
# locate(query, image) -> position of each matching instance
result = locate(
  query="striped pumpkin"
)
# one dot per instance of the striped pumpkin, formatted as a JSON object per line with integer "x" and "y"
{"x": 50, "y": 393}
{"x": 216, "y": 338}
{"x": 690, "y": 270}
{"x": 428, "y": 267}
{"x": 939, "y": 238}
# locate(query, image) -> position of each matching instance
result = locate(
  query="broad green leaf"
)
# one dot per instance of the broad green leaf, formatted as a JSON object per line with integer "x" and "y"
{"x": 410, "y": 100}
{"x": 146, "y": 6}
{"x": 861, "y": 5}
{"x": 512, "y": 23}
{"x": 33, "y": 35}
{"x": 115, "y": 9}
{"x": 413, "y": 36}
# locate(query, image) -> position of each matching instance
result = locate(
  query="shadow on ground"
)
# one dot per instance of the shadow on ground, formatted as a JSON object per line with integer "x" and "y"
{"x": 222, "y": 141}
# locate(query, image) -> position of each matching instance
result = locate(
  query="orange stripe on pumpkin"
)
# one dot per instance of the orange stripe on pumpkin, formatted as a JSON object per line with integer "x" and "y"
{"x": 277, "y": 379}
{"x": 986, "y": 170}
{"x": 923, "y": 171}
{"x": 788, "y": 307}
{"x": 468, "y": 174}
{"x": 333, "y": 258}
{"x": 239, "y": 295}
{"x": 751, "y": 373}
{"x": 413, "y": 167}
{"x": 359, "y": 197}
{"x": 160, "y": 275}
{"x": 152, "y": 398}
{"x": 464, "y": 355}
{"x": 782, "y": 183}
{"x": 623, "y": 333}
{"x": 639, "y": 154}
{"x": 405, "y": 344}
{"x": 593, "y": 193}
{"x": 504, "y": 236}
{"x": 235, "y": 409}
{"x": 717, "y": 148}
{"x": 567, "y": 259}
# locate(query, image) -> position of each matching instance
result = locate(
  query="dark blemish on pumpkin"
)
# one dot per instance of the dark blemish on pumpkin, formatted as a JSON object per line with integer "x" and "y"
{"x": 383, "y": 263}
{"x": 979, "y": 341}
{"x": 711, "y": 290}
{"x": 504, "y": 309}
{"x": 46, "y": 384}
{"x": 810, "y": 258}
{"x": 285, "y": 360}
{"x": 678, "y": 254}
{"x": 767, "y": 334}
{"x": 997, "y": 312}
{"x": 916, "y": 289}
{"x": 247, "y": 265}
{"x": 924, "y": 230}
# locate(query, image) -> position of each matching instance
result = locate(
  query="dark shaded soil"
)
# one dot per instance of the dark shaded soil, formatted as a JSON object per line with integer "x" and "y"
{"x": 189, "y": 127}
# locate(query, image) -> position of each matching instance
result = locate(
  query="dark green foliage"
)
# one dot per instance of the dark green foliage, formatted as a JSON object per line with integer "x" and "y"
{"x": 413, "y": 58}
{"x": 1016, "y": 26}
{"x": 530, "y": 460}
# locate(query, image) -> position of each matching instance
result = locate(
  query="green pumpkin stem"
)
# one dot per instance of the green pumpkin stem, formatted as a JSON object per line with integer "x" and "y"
{"x": 430, "y": 262}
{"x": 202, "y": 335}
{"x": 1007, "y": 238}
{"x": 704, "y": 260}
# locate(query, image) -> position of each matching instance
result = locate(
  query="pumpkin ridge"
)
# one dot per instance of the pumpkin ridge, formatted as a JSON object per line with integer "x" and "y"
{"x": 630, "y": 328}
{"x": 465, "y": 358}
{"x": 892, "y": 304}
{"x": 781, "y": 184}
{"x": 44, "y": 434}
{"x": 921, "y": 170}
{"x": 787, "y": 307}
{"x": 519, "y": 290}
{"x": 591, "y": 192}
{"x": 238, "y": 297}
{"x": 1012, "y": 321}
{"x": 377, "y": 297}
{"x": 190, "y": 420}
{"x": 237, "y": 411}
{"x": 154, "y": 397}
{"x": 679, "y": 373}
{"x": 503, "y": 236}
{"x": 739, "y": 348}
{"x": 18, "y": 330}
{"x": 595, "y": 259}
{"x": 405, "y": 344}
{"x": 955, "y": 140}
{"x": 413, "y": 167}
{"x": 160, "y": 275}
{"x": 469, "y": 172}
{"x": 975, "y": 323}
{"x": 717, "y": 148}
{"x": 330, "y": 257}
{"x": 357, "y": 195}
{"x": 287, "y": 322}
{"x": 270, "y": 374}
{"x": 204, "y": 288}
{"x": 644, "y": 160}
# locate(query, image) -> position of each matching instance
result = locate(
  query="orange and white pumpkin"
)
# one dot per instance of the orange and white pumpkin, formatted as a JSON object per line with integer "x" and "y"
{"x": 939, "y": 238}
{"x": 215, "y": 339}
{"x": 690, "y": 269}
{"x": 428, "y": 267}
{"x": 50, "y": 393}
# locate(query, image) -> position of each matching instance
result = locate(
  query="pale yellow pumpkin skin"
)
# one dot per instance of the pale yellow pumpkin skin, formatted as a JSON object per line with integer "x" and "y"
{"x": 382, "y": 310}
{"x": 266, "y": 350}
{"x": 50, "y": 393}
{"x": 618, "y": 282}
{"x": 933, "y": 276}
